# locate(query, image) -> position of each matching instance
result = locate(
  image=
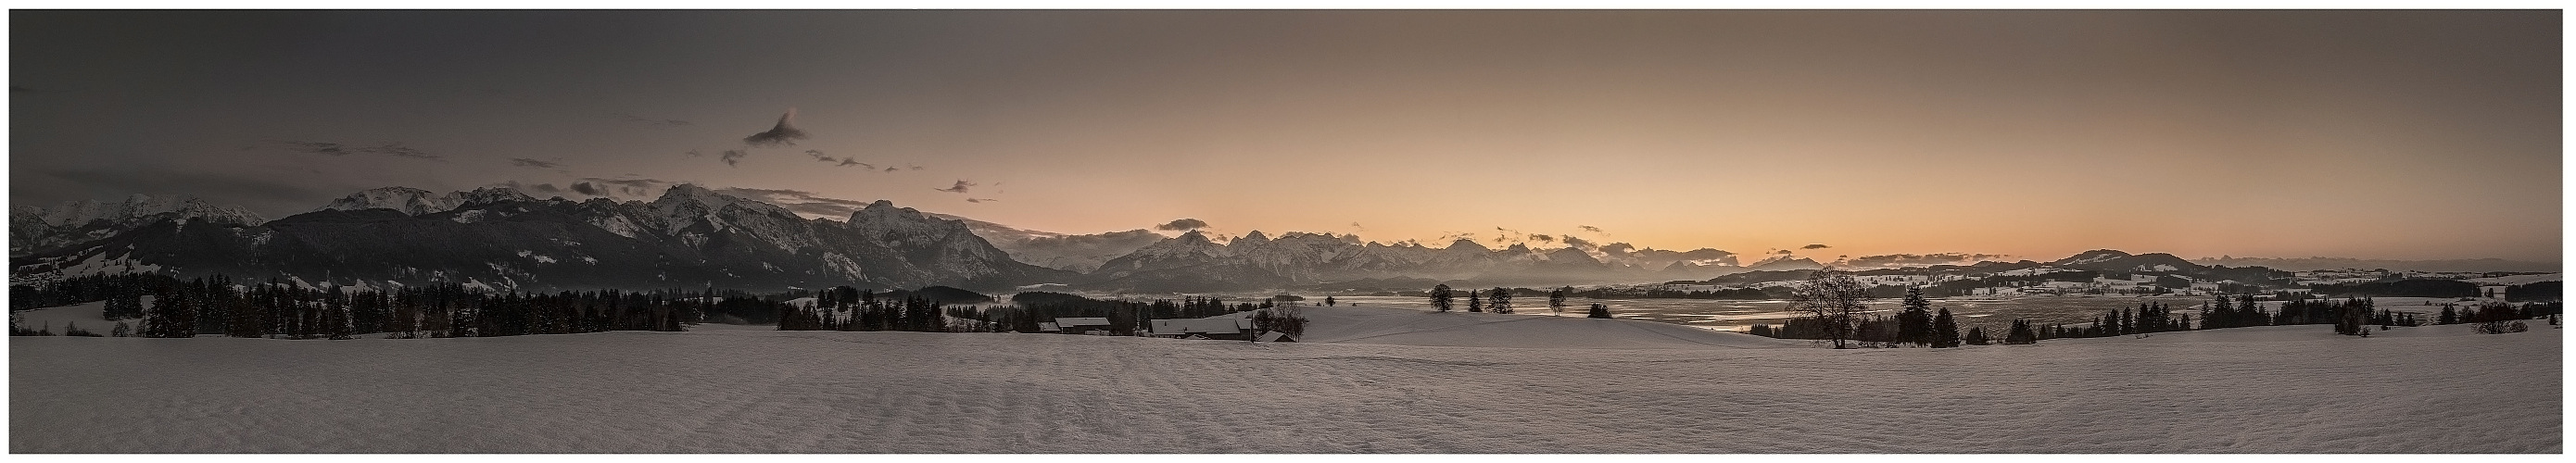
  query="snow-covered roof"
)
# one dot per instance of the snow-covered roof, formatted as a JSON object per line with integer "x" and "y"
{"x": 1221, "y": 325}
{"x": 1082, "y": 321}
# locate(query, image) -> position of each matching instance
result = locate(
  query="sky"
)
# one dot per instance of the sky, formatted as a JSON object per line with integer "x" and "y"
{"x": 2388, "y": 134}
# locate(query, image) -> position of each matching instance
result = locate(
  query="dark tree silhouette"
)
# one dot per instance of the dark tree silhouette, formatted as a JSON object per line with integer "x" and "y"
{"x": 1834, "y": 299}
{"x": 1914, "y": 324}
{"x": 1599, "y": 311}
{"x": 1502, "y": 300}
{"x": 1440, "y": 297}
{"x": 1556, "y": 299}
{"x": 2021, "y": 333}
{"x": 1945, "y": 330}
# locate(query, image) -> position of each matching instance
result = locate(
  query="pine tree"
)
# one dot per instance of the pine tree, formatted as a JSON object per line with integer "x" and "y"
{"x": 1945, "y": 330}
{"x": 1976, "y": 336}
{"x": 1914, "y": 324}
{"x": 2021, "y": 333}
{"x": 1475, "y": 301}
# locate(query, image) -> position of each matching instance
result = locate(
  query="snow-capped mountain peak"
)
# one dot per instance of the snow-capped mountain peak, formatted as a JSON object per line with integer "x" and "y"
{"x": 409, "y": 201}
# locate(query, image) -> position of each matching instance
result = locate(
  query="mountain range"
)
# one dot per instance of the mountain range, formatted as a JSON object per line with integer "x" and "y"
{"x": 498, "y": 237}
{"x": 691, "y": 236}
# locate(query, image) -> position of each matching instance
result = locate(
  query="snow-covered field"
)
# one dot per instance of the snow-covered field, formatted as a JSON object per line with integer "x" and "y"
{"x": 1370, "y": 380}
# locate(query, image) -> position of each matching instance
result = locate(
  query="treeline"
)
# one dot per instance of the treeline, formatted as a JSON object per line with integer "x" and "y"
{"x": 275, "y": 309}
{"x": 1918, "y": 324}
{"x": 2400, "y": 288}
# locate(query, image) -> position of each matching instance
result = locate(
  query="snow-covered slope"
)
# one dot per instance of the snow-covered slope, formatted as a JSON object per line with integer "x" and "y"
{"x": 724, "y": 389}
{"x": 1413, "y": 327}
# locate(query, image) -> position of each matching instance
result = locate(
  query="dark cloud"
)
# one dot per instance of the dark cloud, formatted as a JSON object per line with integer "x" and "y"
{"x": 1589, "y": 228}
{"x": 1542, "y": 238}
{"x": 889, "y": 169}
{"x": 819, "y": 156}
{"x": 588, "y": 188}
{"x": 846, "y": 162}
{"x": 652, "y": 121}
{"x": 1783, "y": 251}
{"x": 960, "y": 187}
{"x": 1182, "y": 225}
{"x": 344, "y": 149}
{"x": 1815, "y": 246}
{"x": 981, "y": 200}
{"x": 733, "y": 157}
{"x": 525, "y": 162}
{"x": 784, "y": 134}
{"x": 1357, "y": 225}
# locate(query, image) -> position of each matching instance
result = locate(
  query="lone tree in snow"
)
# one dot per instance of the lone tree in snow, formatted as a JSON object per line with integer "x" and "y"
{"x": 1834, "y": 299}
{"x": 1502, "y": 300}
{"x": 1329, "y": 302}
{"x": 1599, "y": 311}
{"x": 1440, "y": 297}
{"x": 1945, "y": 330}
{"x": 1914, "y": 324}
{"x": 1556, "y": 299}
{"x": 1475, "y": 301}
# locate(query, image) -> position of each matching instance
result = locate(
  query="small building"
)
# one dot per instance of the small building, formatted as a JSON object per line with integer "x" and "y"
{"x": 1078, "y": 325}
{"x": 1232, "y": 328}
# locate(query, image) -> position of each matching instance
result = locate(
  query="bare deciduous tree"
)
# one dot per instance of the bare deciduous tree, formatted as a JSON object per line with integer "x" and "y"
{"x": 1833, "y": 298}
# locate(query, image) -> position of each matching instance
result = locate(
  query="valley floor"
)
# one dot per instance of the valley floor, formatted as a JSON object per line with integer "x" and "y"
{"x": 1383, "y": 380}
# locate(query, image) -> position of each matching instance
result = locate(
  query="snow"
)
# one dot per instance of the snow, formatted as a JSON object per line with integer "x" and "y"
{"x": 2517, "y": 279}
{"x": 1386, "y": 380}
{"x": 1361, "y": 325}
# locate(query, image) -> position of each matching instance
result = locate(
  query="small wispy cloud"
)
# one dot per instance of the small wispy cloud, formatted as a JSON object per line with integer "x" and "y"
{"x": 1815, "y": 246}
{"x": 820, "y": 156}
{"x": 526, "y": 162}
{"x": 961, "y": 187}
{"x": 982, "y": 200}
{"x": 344, "y": 149}
{"x": 733, "y": 157}
{"x": 651, "y": 121}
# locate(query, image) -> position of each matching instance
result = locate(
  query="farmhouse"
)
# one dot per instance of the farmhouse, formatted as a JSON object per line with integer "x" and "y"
{"x": 1233, "y": 328}
{"x": 1081, "y": 325}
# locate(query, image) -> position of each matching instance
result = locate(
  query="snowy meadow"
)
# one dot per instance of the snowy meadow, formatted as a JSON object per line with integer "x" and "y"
{"x": 1367, "y": 380}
